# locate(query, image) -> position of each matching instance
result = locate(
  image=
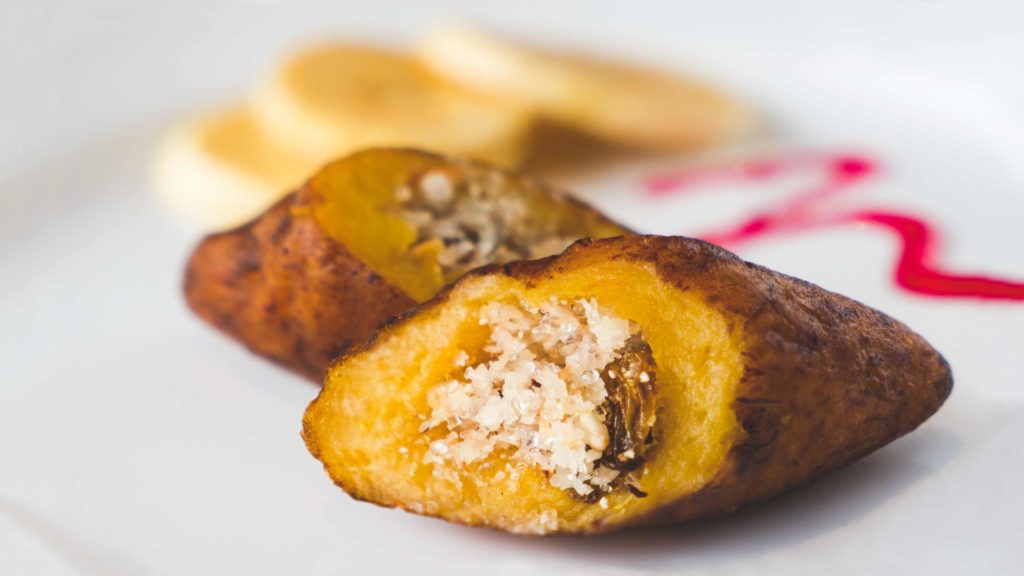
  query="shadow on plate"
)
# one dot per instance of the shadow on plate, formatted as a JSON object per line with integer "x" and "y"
{"x": 560, "y": 154}
{"x": 41, "y": 546}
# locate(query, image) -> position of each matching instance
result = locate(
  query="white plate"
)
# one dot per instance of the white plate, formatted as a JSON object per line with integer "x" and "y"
{"x": 134, "y": 440}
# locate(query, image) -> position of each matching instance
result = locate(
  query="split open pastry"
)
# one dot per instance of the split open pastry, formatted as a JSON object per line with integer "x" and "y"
{"x": 366, "y": 238}
{"x": 628, "y": 381}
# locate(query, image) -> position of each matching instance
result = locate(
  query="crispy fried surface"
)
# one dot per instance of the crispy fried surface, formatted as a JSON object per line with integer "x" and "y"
{"x": 819, "y": 381}
{"x": 288, "y": 291}
{"x": 322, "y": 268}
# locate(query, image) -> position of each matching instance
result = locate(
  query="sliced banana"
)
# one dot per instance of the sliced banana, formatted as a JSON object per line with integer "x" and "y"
{"x": 332, "y": 100}
{"x": 622, "y": 103}
{"x": 222, "y": 170}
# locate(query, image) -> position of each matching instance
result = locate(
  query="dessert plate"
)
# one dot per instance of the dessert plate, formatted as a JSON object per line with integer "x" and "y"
{"x": 135, "y": 440}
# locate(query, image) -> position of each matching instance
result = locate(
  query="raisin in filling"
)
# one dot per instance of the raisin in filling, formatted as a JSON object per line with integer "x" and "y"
{"x": 566, "y": 387}
{"x": 630, "y": 414}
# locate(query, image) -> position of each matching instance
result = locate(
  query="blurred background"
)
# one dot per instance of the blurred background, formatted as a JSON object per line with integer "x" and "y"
{"x": 77, "y": 69}
{"x": 134, "y": 440}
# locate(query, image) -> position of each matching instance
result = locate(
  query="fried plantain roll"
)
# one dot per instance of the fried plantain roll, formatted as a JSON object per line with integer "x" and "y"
{"x": 629, "y": 381}
{"x": 367, "y": 238}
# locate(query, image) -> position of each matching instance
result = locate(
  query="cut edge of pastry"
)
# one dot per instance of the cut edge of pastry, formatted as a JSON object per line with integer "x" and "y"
{"x": 390, "y": 441}
{"x": 421, "y": 220}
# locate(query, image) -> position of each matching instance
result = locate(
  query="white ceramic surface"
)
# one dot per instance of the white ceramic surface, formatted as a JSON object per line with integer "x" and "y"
{"x": 134, "y": 440}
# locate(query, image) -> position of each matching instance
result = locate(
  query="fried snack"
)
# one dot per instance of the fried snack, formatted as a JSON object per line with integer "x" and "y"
{"x": 629, "y": 381}
{"x": 367, "y": 238}
{"x": 622, "y": 103}
{"x": 222, "y": 170}
{"x": 333, "y": 100}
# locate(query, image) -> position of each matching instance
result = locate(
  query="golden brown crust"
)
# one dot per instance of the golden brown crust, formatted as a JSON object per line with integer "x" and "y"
{"x": 826, "y": 380}
{"x": 286, "y": 290}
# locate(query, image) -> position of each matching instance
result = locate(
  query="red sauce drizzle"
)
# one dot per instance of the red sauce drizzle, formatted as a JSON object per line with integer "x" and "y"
{"x": 916, "y": 269}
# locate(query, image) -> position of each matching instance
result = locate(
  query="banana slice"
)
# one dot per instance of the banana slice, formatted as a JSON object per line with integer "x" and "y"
{"x": 332, "y": 100}
{"x": 630, "y": 105}
{"x": 222, "y": 170}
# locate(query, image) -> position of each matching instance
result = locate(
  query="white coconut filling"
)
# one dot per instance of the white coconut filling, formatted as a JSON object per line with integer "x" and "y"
{"x": 474, "y": 221}
{"x": 538, "y": 393}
